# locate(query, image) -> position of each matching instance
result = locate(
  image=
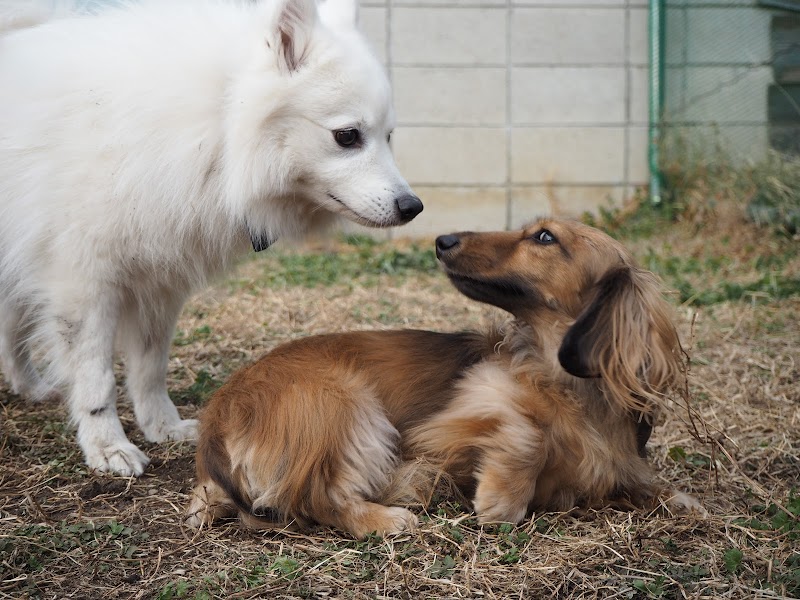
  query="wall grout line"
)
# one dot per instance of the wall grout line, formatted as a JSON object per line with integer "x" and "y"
{"x": 509, "y": 117}
{"x": 754, "y": 66}
{"x": 502, "y": 5}
{"x": 522, "y": 65}
{"x": 387, "y": 24}
{"x": 528, "y": 125}
{"x": 626, "y": 145}
{"x": 573, "y": 125}
{"x": 520, "y": 185}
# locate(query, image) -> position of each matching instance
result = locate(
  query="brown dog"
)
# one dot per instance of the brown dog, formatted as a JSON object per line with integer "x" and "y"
{"x": 551, "y": 414}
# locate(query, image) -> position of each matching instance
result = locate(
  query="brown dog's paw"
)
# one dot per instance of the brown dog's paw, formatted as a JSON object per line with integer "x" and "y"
{"x": 383, "y": 520}
{"x": 196, "y": 515}
{"x": 208, "y": 502}
{"x": 685, "y": 504}
{"x": 399, "y": 520}
{"x": 495, "y": 508}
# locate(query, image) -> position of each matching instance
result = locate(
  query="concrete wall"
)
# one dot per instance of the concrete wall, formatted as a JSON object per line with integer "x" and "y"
{"x": 510, "y": 110}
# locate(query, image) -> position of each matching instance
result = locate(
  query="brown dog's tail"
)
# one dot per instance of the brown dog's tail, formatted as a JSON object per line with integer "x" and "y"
{"x": 213, "y": 458}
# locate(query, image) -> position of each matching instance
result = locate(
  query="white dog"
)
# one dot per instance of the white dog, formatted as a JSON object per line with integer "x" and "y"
{"x": 144, "y": 147}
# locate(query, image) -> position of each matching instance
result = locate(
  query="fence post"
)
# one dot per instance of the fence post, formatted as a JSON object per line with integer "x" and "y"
{"x": 656, "y": 91}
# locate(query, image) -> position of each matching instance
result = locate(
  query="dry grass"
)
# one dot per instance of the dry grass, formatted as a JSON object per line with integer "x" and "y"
{"x": 69, "y": 533}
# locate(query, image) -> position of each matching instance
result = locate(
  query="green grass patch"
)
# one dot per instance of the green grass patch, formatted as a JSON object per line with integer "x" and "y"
{"x": 33, "y": 548}
{"x": 784, "y": 523}
{"x": 774, "y": 518}
{"x": 733, "y": 560}
{"x": 772, "y": 286}
{"x": 646, "y": 220}
{"x": 775, "y": 200}
{"x": 442, "y": 567}
{"x": 184, "y": 338}
{"x": 259, "y": 573}
{"x": 204, "y": 385}
{"x": 700, "y": 174}
{"x": 651, "y": 589}
{"x": 694, "y": 459}
{"x": 364, "y": 260}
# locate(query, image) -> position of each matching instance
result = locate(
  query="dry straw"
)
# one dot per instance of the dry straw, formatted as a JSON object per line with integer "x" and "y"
{"x": 733, "y": 440}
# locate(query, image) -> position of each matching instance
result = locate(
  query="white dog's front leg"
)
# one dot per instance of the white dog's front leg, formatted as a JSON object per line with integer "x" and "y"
{"x": 147, "y": 341}
{"x": 88, "y": 340}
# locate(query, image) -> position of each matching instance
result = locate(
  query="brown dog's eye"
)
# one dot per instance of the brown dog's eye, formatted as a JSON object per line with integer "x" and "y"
{"x": 544, "y": 237}
{"x": 347, "y": 138}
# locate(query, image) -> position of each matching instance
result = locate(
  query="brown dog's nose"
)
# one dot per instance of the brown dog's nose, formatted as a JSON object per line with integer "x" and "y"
{"x": 409, "y": 207}
{"x": 445, "y": 242}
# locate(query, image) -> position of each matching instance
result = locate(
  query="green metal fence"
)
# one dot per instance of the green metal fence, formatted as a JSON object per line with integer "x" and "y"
{"x": 725, "y": 81}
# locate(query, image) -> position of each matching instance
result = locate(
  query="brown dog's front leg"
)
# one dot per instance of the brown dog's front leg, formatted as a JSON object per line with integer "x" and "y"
{"x": 507, "y": 483}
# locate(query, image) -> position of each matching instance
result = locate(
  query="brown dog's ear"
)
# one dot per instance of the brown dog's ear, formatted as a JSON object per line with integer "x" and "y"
{"x": 626, "y": 337}
{"x": 581, "y": 347}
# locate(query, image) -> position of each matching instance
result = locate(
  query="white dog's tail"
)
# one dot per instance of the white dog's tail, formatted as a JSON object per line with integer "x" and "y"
{"x": 22, "y": 14}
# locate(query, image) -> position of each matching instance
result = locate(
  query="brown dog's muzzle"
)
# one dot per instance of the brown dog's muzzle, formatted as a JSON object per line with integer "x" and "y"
{"x": 444, "y": 243}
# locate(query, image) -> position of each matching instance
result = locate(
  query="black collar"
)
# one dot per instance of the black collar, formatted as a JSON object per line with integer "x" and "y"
{"x": 261, "y": 241}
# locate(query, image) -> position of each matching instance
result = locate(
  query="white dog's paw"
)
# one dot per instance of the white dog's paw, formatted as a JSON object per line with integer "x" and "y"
{"x": 176, "y": 431}
{"x": 119, "y": 458}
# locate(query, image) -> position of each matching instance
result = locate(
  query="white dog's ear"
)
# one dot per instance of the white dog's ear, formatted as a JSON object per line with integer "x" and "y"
{"x": 290, "y": 29}
{"x": 339, "y": 14}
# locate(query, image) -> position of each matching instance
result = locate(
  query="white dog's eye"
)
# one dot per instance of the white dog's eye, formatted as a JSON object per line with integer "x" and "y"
{"x": 389, "y": 137}
{"x": 347, "y": 138}
{"x": 544, "y": 237}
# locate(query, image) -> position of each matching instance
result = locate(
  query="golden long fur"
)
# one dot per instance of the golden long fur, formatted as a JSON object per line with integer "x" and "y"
{"x": 551, "y": 413}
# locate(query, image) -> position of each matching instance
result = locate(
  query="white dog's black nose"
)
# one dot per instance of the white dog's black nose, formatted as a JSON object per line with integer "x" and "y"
{"x": 409, "y": 206}
{"x": 445, "y": 242}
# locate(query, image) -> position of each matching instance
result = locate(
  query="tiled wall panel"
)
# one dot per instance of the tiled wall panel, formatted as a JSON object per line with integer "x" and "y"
{"x": 450, "y": 208}
{"x": 450, "y": 96}
{"x": 451, "y": 155}
{"x": 568, "y": 36}
{"x": 511, "y": 109}
{"x": 574, "y": 95}
{"x": 571, "y": 155}
{"x": 448, "y": 36}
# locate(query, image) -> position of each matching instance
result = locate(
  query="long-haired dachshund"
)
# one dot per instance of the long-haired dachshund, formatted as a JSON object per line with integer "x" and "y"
{"x": 551, "y": 413}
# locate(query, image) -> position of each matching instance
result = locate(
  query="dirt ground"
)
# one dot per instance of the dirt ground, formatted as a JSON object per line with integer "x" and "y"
{"x": 66, "y": 532}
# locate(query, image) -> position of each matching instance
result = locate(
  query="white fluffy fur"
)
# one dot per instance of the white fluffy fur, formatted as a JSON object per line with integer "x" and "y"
{"x": 140, "y": 147}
